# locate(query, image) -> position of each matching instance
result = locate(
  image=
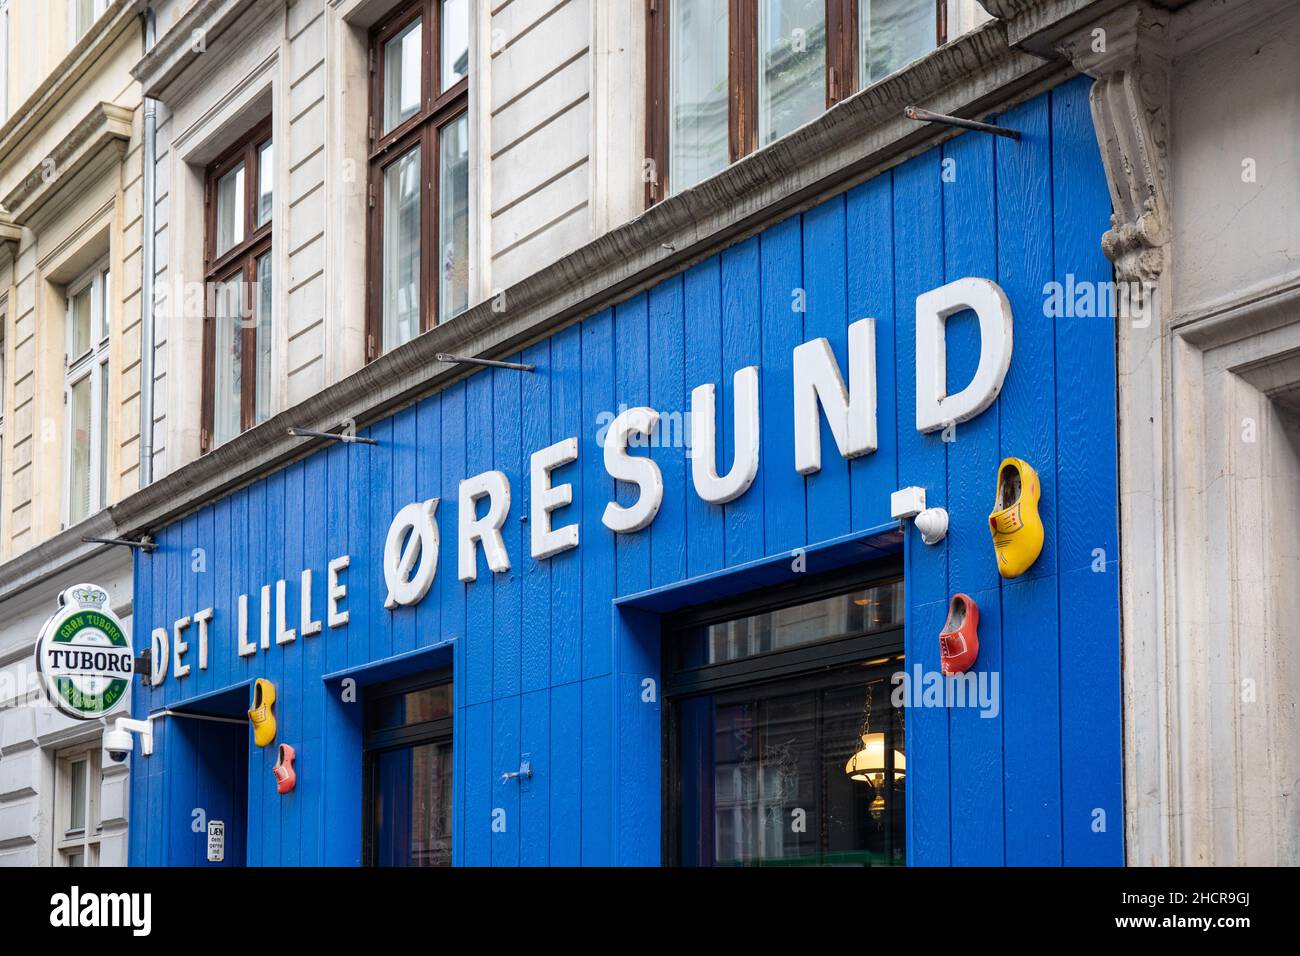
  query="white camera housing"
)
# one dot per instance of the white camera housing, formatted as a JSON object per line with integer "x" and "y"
{"x": 119, "y": 742}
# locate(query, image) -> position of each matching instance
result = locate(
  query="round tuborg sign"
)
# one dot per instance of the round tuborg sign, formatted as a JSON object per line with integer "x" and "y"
{"x": 85, "y": 655}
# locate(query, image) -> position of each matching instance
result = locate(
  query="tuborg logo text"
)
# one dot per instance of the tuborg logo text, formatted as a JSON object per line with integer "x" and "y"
{"x": 85, "y": 655}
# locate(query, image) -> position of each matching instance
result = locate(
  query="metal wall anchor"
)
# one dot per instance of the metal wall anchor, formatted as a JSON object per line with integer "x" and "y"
{"x": 525, "y": 770}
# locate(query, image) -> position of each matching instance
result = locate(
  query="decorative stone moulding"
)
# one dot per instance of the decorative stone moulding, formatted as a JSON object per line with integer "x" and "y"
{"x": 104, "y": 132}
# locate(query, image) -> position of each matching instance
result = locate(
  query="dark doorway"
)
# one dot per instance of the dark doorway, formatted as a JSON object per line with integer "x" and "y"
{"x": 783, "y": 747}
{"x": 408, "y": 772}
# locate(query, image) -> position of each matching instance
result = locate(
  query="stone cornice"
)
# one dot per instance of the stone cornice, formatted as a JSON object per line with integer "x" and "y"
{"x": 103, "y": 126}
{"x": 974, "y": 75}
{"x": 120, "y": 16}
{"x": 176, "y": 51}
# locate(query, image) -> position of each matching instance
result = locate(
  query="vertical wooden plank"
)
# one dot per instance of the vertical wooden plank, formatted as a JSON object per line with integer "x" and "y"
{"x": 297, "y": 692}
{"x": 508, "y": 822}
{"x": 668, "y": 396}
{"x": 781, "y": 268}
{"x": 705, "y": 524}
{"x": 478, "y": 789}
{"x": 478, "y": 593}
{"x": 566, "y": 774}
{"x": 316, "y": 554}
{"x": 535, "y": 649}
{"x": 741, "y": 346}
{"x": 535, "y": 795}
{"x": 337, "y": 545}
{"x": 272, "y": 663}
{"x": 360, "y": 477}
{"x": 378, "y": 509}
{"x": 870, "y": 254}
{"x": 826, "y": 290}
{"x": 922, "y": 460}
{"x": 1030, "y": 649}
{"x": 1032, "y": 713}
{"x": 637, "y": 767}
{"x": 507, "y": 589}
{"x": 224, "y": 602}
{"x": 403, "y": 458}
{"x": 429, "y": 484}
{"x": 970, "y": 248}
{"x": 566, "y": 567}
{"x": 632, "y": 373}
{"x": 597, "y": 770}
{"x": 257, "y": 567}
{"x": 1087, "y": 496}
{"x": 599, "y": 398}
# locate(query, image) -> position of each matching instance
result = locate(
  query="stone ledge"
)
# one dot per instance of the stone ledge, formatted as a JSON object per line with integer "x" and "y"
{"x": 104, "y": 126}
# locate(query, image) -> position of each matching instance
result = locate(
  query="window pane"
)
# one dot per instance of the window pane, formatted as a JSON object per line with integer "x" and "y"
{"x": 697, "y": 91}
{"x": 411, "y": 811}
{"x": 230, "y": 209}
{"x": 411, "y": 707}
{"x": 79, "y": 448}
{"x": 792, "y": 67}
{"x": 77, "y": 796}
{"x": 263, "y": 306}
{"x": 455, "y": 42}
{"x": 84, "y": 16}
{"x": 103, "y": 434}
{"x": 891, "y": 34}
{"x": 402, "y": 75}
{"x": 80, "y": 318}
{"x": 402, "y": 250}
{"x": 105, "y": 300}
{"x": 76, "y": 859}
{"x": 862, "y": 611}
{"x": 265, "y": 182}
{"x": 453, "y": 218}
{"x": 228, "y": 374}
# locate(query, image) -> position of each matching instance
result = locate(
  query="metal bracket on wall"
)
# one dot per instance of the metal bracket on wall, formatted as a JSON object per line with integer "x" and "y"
{"x": 489, "y": 363}
{"x": 925, "y": 116}
{"x": 332, "y": 436}
{"x": 525, "y": 771}
{"x": 146, "y": 543}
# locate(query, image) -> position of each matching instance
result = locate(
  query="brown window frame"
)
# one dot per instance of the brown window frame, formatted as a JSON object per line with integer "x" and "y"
{"x": 439, "y": 108}
{"x": 239, "y": 260}
{"x": 841, "y": 76}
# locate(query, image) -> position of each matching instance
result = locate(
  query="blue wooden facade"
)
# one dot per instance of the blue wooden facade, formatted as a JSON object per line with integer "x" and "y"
{"x": 550, "y": 658}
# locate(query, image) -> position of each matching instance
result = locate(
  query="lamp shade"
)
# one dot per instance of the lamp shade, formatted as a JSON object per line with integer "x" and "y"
{"x": 871, "y": 759}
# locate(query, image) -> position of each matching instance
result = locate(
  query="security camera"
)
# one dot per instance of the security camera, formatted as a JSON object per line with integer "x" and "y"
{"x": 118, "y": 742}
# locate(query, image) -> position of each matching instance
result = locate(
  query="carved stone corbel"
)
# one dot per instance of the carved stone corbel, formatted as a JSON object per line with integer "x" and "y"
{"x": 1126, "y": 52}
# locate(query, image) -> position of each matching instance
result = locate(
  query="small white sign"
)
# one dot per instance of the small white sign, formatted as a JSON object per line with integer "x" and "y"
{"x": 216, "y": 841}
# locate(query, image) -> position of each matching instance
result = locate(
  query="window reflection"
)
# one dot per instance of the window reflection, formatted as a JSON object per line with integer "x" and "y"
{"x": 861, "y": 611}
{"x": 792, "y": 70}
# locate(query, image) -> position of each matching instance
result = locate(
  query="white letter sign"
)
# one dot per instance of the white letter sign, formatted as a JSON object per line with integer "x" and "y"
{"x": 851, "y": 412}
{"x": 544, "y": 499}
{"x": 704, "y": 430}
{"x": 935, "y": 408}
{"x": 641, "y": 471}
{"x": 417, "y": 528}
{"x": 486, "y": 530}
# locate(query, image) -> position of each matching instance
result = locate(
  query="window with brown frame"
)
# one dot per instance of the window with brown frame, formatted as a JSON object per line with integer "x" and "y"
{"x": 238, "y": 326}
{"x": 418, "y": 242}
{"x": 726, "y": 78}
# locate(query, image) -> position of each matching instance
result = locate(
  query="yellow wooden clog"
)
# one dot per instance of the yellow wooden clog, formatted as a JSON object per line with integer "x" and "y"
{"x": 260, "y": 713}
{"x": 1017, "y": 529}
